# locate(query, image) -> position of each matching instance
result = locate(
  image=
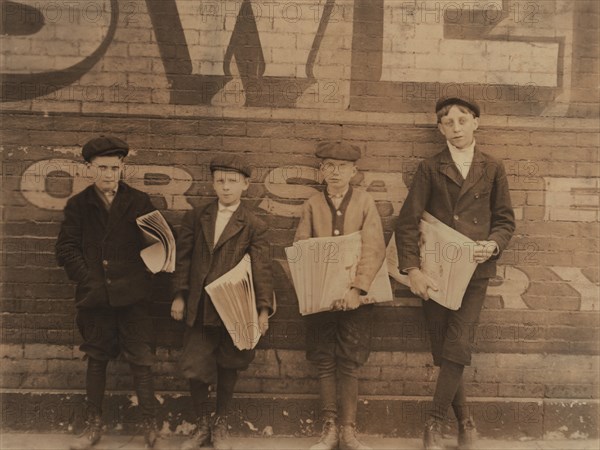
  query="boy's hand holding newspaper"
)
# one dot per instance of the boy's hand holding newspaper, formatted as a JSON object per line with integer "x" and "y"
{"x": 420, "y": 283}
{"x": 350, "y": 301}
{"x": 484, "y": 250}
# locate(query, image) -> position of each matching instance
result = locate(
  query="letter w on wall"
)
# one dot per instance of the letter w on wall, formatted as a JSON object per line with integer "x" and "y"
{"x": 250, "y": 52}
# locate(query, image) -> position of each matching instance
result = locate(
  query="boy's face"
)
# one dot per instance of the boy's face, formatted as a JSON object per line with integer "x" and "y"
{"x": 337, "y": 173}
{"x": 458, "y": 127}
{"x": 106, "y": 171}
{"x": 229, "y": 186}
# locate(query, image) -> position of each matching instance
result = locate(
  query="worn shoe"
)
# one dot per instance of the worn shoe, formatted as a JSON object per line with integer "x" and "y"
{"x": 467, "y": 434}
{"x": 90, "y": 436}
{"x": 220, "y": 434}
{"x": 329, "y": 437}
{"x": 348, "y": 439}
{"x": 199, "y": 437}
{"x": 432, "y": 437}
{"x": 150, "y": 432}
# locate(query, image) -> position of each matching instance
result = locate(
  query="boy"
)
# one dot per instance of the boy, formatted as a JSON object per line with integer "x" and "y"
{"x": 213, "y": 240}
{"x": 467, "y": 190}
{"x": 99, "y": 246}
{"x": 339, "y": 341}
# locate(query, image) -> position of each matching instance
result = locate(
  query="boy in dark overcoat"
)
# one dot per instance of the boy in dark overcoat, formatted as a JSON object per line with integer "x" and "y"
{"x": 212, "y": 240}
{"x": 467, "y": 190}
{"x": 99, "y": 246}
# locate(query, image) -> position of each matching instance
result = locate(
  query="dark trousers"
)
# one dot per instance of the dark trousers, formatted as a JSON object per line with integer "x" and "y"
{"x": 452, "y": 334}
{"x": 339, "y": 342}
{"x": 108, "y": 332}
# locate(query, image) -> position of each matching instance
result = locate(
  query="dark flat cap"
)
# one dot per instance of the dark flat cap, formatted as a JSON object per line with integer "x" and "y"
{"x": 338, "y": 150}
{"x": 231, "y": 163}
{"x": 104, "y": 146}
{"x": 445, "y": 101}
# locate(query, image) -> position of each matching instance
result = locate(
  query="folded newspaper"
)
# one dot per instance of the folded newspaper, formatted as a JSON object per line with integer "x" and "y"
{"x": 159, "y": 256}
{"x": 232, "y": 295}
{"x": 446, "y": 258}
{"x": 323, "y": 268}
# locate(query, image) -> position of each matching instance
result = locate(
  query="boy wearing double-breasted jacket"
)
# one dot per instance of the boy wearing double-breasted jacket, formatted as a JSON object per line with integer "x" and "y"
{"x": 99, "y": 246}
{"x": 212, "y": 240}
{"x": 339, "y": 341}
{"x": 467, "y": 190}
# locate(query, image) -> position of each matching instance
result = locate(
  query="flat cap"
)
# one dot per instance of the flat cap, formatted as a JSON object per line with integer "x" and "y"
{"x": 104, "y": 146}
{"x": 338, "y": 150}
{"x": 231, "y": 163}
{"x": 445, "y": 101}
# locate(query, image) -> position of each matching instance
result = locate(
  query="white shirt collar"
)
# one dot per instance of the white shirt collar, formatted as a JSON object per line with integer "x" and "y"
{"x": 461, "y": 151}
{"x": 230, "y": 208}
{"x": 463, "y": 157}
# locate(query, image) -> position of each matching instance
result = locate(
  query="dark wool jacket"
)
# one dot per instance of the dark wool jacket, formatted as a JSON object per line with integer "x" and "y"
{"x": 478, "y": 207}
{"x": 199, "y": 264}
{"x": 100, "y": 249}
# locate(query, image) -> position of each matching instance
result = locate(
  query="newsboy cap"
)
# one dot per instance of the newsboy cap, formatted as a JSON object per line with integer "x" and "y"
{"x": 231, "y": 163}
{"x": 338, "y": 150}
{"x": 445, "y": 101}
{"x": 104, "y": 146}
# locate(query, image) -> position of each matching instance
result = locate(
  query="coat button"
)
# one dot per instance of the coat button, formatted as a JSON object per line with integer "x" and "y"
{"x": 475, "y": 220}
{"x": 455, "y": 217}
{"x": 339, "y": 213}
{"x": 477, "y": 195}
{"x": 105, "y": 263}
{"x": 108, "y": 281}
{"x": 336, "y": 232}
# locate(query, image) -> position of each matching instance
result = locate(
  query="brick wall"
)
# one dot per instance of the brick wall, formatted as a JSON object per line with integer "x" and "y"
{"x": 185, "y": 80}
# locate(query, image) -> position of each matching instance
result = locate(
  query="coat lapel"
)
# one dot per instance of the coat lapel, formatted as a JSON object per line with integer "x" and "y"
{"x": 476, "y": 171}
{"x": 233, "y": 227}
{"x": 207, "y": 222}
{"x": 449, "y": 169}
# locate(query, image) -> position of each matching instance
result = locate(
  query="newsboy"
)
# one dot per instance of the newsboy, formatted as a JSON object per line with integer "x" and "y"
{"x": 212, "y": 240}
{"x": 467, "y": 190}
{"x": 99, "y": 246}
{"x": 338, "y": 342}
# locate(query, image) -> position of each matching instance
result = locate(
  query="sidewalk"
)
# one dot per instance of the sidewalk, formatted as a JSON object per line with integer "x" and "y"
{"x": 56, "y": 441}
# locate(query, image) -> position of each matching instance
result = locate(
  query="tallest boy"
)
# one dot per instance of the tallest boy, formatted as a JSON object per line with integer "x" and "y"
{"x": 468, "y": 191}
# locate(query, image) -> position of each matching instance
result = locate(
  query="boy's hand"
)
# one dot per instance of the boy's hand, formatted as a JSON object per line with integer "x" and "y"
{"x": 351, "y": 299}
{"x": 420, "y": 284}
{"x": 263, "y": 321}
{"x": 484, "y": 250}
{"x": 177, "y": 307}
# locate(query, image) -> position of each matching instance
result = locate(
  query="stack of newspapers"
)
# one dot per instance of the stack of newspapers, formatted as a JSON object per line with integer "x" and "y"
{"x": 446, "y": 259}
{"x": 233, "y": 297}
{"x": 323, "y": 269}
{"x": 159, "y": 256}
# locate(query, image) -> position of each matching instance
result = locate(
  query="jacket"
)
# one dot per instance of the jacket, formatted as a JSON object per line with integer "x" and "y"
{"x": 478, "y": 207}
{"x": 199, "y": 264}
{"x": 100, "y": 250}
